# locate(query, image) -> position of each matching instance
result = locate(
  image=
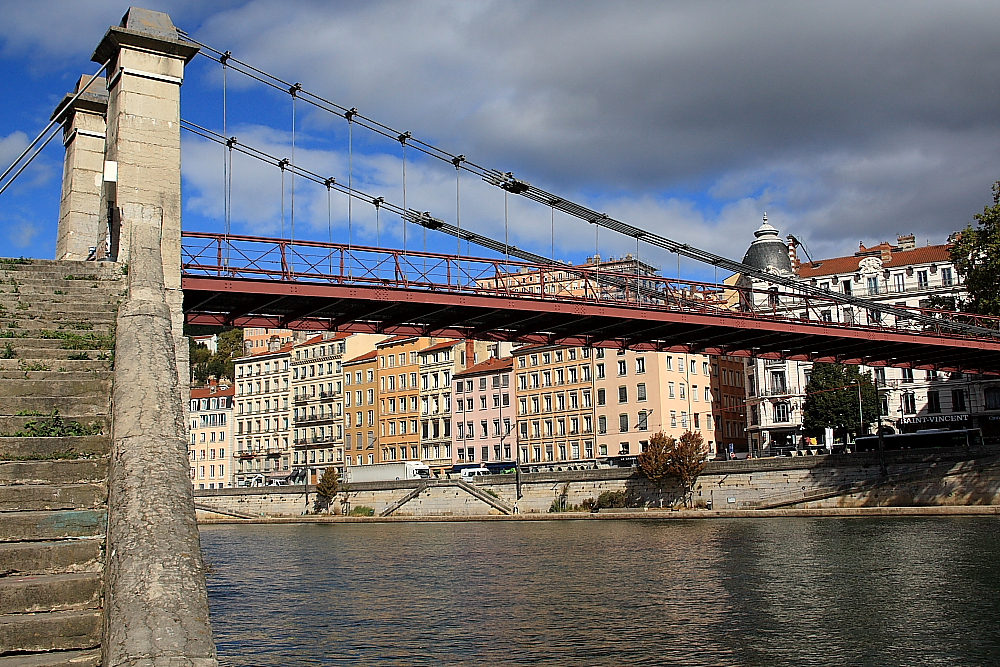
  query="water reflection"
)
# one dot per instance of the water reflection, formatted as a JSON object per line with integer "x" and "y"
{"x": 902, "y": 591}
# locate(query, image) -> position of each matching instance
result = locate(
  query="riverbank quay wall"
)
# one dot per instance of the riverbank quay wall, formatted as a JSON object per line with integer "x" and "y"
{"x": 952, "y": 477}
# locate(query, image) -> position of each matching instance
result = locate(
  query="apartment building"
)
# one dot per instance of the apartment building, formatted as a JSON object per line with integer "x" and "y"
{"x": 609, "y": 278}
{"x": 210, "y": 436}
{"x": 555, "y": 403}
{"x": 484, "y": 413}
{"x": 438, "y": 364}
{"x": 257, "y": 340}
{"x": 729, "y": 404}
{"x": 638, "y": 394}
{"x": 399, "y": 396}
{"x": 901, "y": 275}
{"x": 317, "y": 415}
{"x": 361, "y": 410}
{"x": 263, "y": 417}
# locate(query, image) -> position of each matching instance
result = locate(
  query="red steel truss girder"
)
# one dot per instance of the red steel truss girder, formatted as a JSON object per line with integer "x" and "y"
{"x": 266, "y": 303}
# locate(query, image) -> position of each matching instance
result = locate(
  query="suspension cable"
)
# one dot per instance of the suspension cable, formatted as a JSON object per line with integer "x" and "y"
{"x": 516, "y": 186}
{"x": 425, "y": 219}
{"x": 292, "y": 90}
{"x": 402, "y": 141}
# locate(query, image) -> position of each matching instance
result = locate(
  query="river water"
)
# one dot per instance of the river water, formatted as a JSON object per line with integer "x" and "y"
{"x": 777, "y": 591}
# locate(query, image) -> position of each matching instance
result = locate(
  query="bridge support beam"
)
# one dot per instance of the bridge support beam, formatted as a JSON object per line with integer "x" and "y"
{"x": 84, "y": 128}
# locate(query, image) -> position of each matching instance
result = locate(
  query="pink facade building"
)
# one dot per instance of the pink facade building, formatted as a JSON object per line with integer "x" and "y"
{"x": 483, "y": 414}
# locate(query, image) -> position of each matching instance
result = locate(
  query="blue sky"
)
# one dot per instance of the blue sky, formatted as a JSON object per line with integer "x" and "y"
{"x": 847, "y": 122}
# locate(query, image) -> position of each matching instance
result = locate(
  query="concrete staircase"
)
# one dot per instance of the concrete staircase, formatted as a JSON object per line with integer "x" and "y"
{"x": 57, "y": 322}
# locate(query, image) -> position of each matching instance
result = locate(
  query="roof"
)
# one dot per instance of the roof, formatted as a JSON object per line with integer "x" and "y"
{"x": 441, "y": 346}
{"x": 395, "y": 339}
{"x": 491, "y": 365}
{"x": 367, "y": 356}
{"x": 898, "y": 258}
{"x": 206, "y": 392}
{"x": 282, "y": 350}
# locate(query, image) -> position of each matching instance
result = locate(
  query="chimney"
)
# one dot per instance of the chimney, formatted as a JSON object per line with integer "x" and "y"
{"x": 793, "y": 255}
{"x": 470, "y": 352}
{"x": 886, "y": 255}
{"x": 907, "y": 242}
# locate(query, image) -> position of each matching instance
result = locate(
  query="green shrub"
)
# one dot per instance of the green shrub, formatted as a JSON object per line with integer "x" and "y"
{"x": 8, "y": 351}
{"x": 362, "y": 510}
{"x": 611, "y": 499}
{"x": 54, "y": 426}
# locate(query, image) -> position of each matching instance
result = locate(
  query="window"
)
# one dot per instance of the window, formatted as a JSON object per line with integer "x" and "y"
{"x": 908, "y": 403}
{"x": 601, "y": 394}
{"x": 922, "y": 280}
{"x": 640, "y": 365}
{"x": 933, "y": 402}
{"x": 600, "y": 371}
{"x": 623, "y": 394}
{"x": 872, "y": 284}
{"x": 623, "y": 423}
{"x": 622, "y": 367}
{"x": 899, "y": 282}
{"x": 641, "y": 424}
{"x": 602, "y": 424}
{"x": 946, "y": 279}
{"x": 780, "y": 413}
{"x": 673, "y": 419}
{"x": 670, "y": 363}
{"x": 958, "y": 400}
{"x": 670, "y": 389}
{"x": 907, "y": 374}
{"x": 992, "y": 396}
{"x": 640, "y": 391}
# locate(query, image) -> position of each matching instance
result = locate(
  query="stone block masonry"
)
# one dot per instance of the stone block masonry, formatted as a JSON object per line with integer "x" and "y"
{"x": 930, "y": 477}
{"x": 57, "y": 322}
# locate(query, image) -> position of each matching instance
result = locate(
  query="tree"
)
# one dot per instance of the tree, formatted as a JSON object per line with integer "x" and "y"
{"x": 326, "y": 490}
{"x": 666, "y": 457}
{"x": 687, "y": 459}
{"x": 229, "y": 345}
{"x": 654, "y": 461}
{"x": 832, "y": 400}
{"x": 976, "y": 256}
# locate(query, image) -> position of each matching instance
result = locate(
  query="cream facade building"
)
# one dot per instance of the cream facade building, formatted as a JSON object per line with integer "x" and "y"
{"x": 263, "y": 418}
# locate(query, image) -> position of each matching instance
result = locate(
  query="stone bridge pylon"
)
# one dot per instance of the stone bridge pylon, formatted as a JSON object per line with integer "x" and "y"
{"x": 120, "y": 208}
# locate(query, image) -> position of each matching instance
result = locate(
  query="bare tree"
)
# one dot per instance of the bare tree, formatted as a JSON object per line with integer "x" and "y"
{"x": 687, "y": 459}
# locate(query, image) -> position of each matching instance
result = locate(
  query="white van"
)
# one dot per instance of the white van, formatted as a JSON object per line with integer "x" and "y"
{"x": 469, "y": 474}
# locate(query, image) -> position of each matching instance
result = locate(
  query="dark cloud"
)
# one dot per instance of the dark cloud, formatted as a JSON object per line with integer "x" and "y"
{"x": 846, "y": 121}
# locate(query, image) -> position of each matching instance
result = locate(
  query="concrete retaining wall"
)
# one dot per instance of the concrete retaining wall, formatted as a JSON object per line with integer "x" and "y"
{"x": 941, "y": 477}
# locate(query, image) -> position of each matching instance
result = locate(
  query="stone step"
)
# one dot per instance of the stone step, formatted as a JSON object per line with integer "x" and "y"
{"x": 66, "y": 320}
{"x": 59, "y": 370}
{"x": 62, "y": 388}
{"x": 105, "y": 292}
{"x": 53, "y": 357}
{"x": 32, "y": 594}
{"x": 73, "y": 309}
{"x": 50, "y": 557}
{"x": 48, "y": 447}
{"x": 20, "y": 474}
{"x": 34, "y": 526}
{"x": 54, "y": 339}
{"x": 57, "y": 471}
{"x": 80, "y": 405}
{"x": 55, "y": 631}
{"x": 90, "y": 658}
{"x": 33, "y": 325}
{"x": 41, "y": 497}
{"x": 13, "y": 424}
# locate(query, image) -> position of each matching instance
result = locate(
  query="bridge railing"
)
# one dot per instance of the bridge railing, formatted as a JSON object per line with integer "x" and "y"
{"x": 269, "y": 259}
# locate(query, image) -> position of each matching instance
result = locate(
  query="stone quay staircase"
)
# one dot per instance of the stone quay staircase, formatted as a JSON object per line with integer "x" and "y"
{"x": 57, "y": 323}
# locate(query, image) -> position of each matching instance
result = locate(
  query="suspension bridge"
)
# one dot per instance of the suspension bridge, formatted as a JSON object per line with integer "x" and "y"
{"x": 142, "y": 597}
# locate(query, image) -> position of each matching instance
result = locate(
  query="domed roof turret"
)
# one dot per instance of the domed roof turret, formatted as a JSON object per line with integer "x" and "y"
{"x": 768, "y": 252}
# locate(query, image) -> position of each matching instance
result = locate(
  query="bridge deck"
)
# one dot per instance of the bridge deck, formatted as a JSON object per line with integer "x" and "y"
{"x": 244, "y": 302}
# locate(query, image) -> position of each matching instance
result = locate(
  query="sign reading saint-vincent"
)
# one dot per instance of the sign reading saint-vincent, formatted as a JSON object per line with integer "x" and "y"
{"x": 934, "y": 419}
